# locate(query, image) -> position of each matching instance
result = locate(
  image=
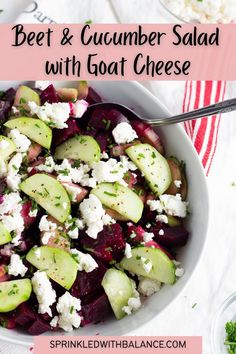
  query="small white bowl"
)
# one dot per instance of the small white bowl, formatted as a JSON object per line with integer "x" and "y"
{"x": 178, "y": 144}
{"x": 225, "y": 313}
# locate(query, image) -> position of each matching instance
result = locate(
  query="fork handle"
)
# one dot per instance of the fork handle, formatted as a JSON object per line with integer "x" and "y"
{"x": 217, "y": 108}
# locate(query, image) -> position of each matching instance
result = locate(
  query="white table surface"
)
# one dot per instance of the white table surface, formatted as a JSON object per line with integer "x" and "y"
{"x": 215, "y": 276}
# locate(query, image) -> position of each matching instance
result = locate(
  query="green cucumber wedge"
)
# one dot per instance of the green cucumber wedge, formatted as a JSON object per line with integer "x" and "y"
{"x": 49, "y": 194}
{"x": 118, "y": 288}
{"x": 57, "y": 263}
{"x": 34, "y": 129}
{"x": 25, "y": 94}
{"x": 121, "y": 199}
{"x": 163, "y": 269}
{"x": 5, "y": 236}
{"x": 13, "y": 293}
{"x": 80, "y": 147}
{"x": 7, "y": 147}
{"x": 153, "y": 165}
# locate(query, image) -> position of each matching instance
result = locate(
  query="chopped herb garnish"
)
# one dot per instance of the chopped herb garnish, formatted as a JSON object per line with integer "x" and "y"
{"x": 22, "y": 100}
{"x": 194, "y": 305}
{"x": 71, "y": 309}
{"x": 110, "y": 194}
{"x": 153, "y": 155}
{"x": 141, "y": 156}
{"x": 230, "y": 341}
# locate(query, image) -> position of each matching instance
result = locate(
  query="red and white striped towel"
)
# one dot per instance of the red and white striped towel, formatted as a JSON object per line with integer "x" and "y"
{"x": 203, "y": 132}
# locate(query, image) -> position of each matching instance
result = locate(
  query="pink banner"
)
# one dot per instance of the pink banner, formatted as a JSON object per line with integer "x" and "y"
{"x": 118, "y": 52}
{"x": 118, "y": 345}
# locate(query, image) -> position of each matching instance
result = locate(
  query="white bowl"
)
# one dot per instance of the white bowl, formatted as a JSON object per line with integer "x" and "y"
{"x": 178, "y": 144}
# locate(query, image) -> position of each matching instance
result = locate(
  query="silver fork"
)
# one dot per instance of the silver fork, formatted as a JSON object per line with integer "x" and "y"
{"x": 207, "y": 111}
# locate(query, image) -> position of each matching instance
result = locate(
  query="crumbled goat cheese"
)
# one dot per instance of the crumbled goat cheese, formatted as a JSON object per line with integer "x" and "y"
{"x": 147, "y": 264}
{"x": 85, "y": 261}
{"x": 148, "y": 225}
{"x": 128, "y": 250}
{"x": 48, "y": 165}
{"x": 104, "y": 156}
{"x": 155, "y": 205}
{"x": 173, "y": 205}
{"x": 72, "y": 190}
{"x": 54, "y": 321}
{"x": 67, "y": 173}
{"x": 3, "y": 169}
{"x": 206, "y": 11}
{"x": 162, "y": 218}
{"x": 92, "y": 213}
{"x": 148, "y": 287}
{"x": 16, "y": 266}
{"x": 108, "y": 171}
{"x": 161, "y": 232}
{"x": 177, "y": 183}
{"x": 148, "y": 236}
{"x": 54, "y": 114}
{"x": 179, "y": 272}
{"x": 176, "y": 263}
{"x": 13, "y": 178}
{"x": 128, "y": 164}
{"x": 88, "y": 181}
{"x": 15, "y": 110}
{"x": 33, "y": 213}
{"x": 133, "y": 305}
{"x": 42, "y": 85}
{"x": 123, "y": 133}
{"x": 48, "y": 228}
{"x": 79, "y": 108}
{"x": 10, "y": 215}
{"x": 21, "y": 141}
{"x": 44, "y": 292}
{"x": 67, "y": 308}
{"x": 4, "y": 144}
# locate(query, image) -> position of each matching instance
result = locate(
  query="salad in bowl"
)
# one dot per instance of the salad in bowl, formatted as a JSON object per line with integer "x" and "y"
{"x": 92, "y": 210}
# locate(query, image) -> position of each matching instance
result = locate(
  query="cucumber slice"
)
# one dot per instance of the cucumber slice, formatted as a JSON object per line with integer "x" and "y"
{"x": 153, "y": 165}
{"x": 5, "y": 236}
{"x": 49, "y": 194}
{"x": 58, "y": 264}
{"x": 80, "y": 147}
{"x": 121, "y": 199}
{"x": 8, "y": 147}
{"x": 163, "y": 269}
{"x": 173, "y": 221}
{"x": 25, "y": 94}
{"x": 118, "y": 288}
{"x": 13, "y": 293}
{"x": 35, "y": 129}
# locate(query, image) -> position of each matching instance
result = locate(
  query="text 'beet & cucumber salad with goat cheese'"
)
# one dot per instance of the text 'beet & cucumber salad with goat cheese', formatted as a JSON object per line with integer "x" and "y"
{"x": 91, "y": 210}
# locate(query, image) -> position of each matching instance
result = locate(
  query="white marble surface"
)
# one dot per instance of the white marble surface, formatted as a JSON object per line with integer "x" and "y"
{"x": 215, "y": 277}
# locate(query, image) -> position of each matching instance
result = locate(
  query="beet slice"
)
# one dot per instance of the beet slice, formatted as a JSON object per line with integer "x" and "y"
{"x": 7, "y": 321}
{"x": 103, "y": 139}
{"x": 88, "y": 282}
{"x": 108, "y": 246}
{"x": 97, "y": 310}
{"x": 148, "y": 135}
{"x": 93, "y": 96}
{"x": 173, "y": 236}
{"x": 38, "y": 327}
{"x": 49, "y": 95}
{"x": 24, "y": 314}
{"x": 61, "y": 135}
